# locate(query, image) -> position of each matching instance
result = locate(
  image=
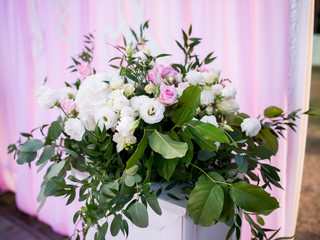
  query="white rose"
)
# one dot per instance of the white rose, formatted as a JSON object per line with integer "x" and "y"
{"x": 251, "y": 126}
{"x": 137, "y": 101}
{"x": 228, "y": 106}
{"x": 74, "y": 128}
{"x": 47, "y": 97}
{"x": 210, "y": 119}
{"x": 209, "y": 77}
{"x": 207, "y": 97}
{"x": 152, "y": 111}
{"x": 127, "y": 112}
{"x": 128, "y": 89}
{"x": 106, "y": 117}
{"x": 116, "y": 82}
{"x": 194, "y": 77}
{"x": 116, "y": 93}
{"x": 229, "y": 92}
{"x": 67, "y": 92}
{"x": 120, "y": 102}
{"x": 217, "y": 89}
{"x": 87, "y": 119}
{"x": 92, "y": 95}
{"x": 124, "y": 125}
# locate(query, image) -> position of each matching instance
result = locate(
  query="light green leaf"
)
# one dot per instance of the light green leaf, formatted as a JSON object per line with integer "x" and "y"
{"x": 111, "y": 185}
{"x": 164, "y": 145}
{"x": 272, "y": 112}
{"x": 52, "y": 188}
{"x": 46, "y": 155}
{"x": 55, "y": 169}
{"x": 26, "y": 157}
{"x": 205, "y": 203}
{"x": 139, "y": 215}
{"x": 31, "y": 146}
{"x": 187, "y": 105}
{"x": 139, "y": 152}
{"x": 253, "y": 198}
{"x": 208, "y": 131}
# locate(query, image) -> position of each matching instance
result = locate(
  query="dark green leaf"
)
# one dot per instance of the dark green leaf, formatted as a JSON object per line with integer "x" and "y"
{"x": 187, "y": 105}
{"x": 115, "y": 225}
{"x": 153, "y": 202}
{"x": 242, "y": 163}
{"x": 139, "y": 152}
{"x": 253, "y": 198}
{"x": 54, "y": 130}
{"x": 165, "y": 167}
{"x": 205, "y": 203}
{"x": 52, "y": 188}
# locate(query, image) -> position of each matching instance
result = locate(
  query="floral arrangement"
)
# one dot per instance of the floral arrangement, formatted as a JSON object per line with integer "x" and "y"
{"x": 147, "y": 123}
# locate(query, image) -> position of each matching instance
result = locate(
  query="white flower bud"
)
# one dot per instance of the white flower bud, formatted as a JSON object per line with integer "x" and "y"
{"x": 251, "y": 126}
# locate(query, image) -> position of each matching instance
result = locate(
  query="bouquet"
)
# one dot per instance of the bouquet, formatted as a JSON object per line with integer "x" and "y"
{"x": 147, "y": 123}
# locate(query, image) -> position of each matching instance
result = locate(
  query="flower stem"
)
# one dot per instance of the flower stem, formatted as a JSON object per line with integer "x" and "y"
{"x": 209, "y": 176}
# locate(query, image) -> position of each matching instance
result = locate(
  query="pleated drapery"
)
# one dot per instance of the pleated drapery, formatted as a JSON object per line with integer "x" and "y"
{"x": 262, "y": 47}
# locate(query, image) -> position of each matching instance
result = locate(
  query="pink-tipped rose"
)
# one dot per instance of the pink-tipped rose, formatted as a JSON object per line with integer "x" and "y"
{"x": 168, "y": 95}
{"x": 68, "y": 105}
{"x": 203, "y": 69}
{"x": 84, "y": 70}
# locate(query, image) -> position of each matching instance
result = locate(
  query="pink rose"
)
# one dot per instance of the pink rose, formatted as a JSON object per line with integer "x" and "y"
{"x": 164, "y": 71}
{"x": 84, "y": 70}
{"x": 68, "y": 105}
{"x": 203, "y": 69}
{"x": 153, "y": 78}
{"x": 168, "y": 95}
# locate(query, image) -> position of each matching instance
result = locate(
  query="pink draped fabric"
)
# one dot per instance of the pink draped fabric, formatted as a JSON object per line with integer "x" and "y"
{"x": 251, "y": 39}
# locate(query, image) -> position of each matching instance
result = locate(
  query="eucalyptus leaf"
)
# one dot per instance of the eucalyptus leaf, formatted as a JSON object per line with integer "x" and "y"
{"x": 31, "y": 146}
{"x": 55, "y": 130}
{"x": 139, "y": 215}
{"x": 47, "y": 153}
{"x": 115, "y": 225}
{"x": 26, "y": 157}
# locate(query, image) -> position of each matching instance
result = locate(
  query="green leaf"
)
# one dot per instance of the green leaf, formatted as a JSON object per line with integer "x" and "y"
{"x": 242, "y": 163}
{"x": 115, "y": 225}
{"x": 253, "y": 198}
{"x": 262, "y": 152}
{"x": 205, "y": 203}
{"x": 46, "y": 155}
{"x": 204, "y": 155}
{"x": 208, "y": 131}
{"x": 139, "y": 152}
{"x": 139, "y": 215}
{"x": 105, "y": 189}
{"x": 153, "y": 202}
{"x": 31, "y": 146}
{"x": 269, "y": 139}
{"x": 272, "y": 112}
{"x": 55, "y": 130}
{"x": 52, "y": 188}
{"x": 76, "y": 216}
{"x": 187, "y": 105}
{"x": 164, "y": 145}
{"x": 165, "y": 167}
{"x": 26, "y": 157}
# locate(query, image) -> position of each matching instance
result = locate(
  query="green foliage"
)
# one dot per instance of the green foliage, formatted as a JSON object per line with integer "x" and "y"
{"x": 187, "y": 105}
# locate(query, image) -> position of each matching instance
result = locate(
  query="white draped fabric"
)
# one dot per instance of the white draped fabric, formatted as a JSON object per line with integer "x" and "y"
{"x": 262, "y": 46}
